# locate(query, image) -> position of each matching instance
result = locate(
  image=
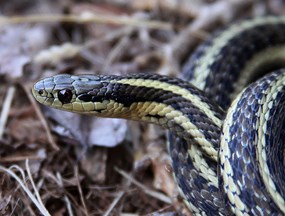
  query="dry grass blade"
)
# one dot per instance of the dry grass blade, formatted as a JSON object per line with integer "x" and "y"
{"x": 67, "y": 201}
{"x": 127, "y": 214}
{"x": 35, "y": 199}
{"x": 6, "y": 108}
{"x": 38, "y": 197}
{"x": 114, "y": 203}
{"x": 42, "y": 118}
{"x": 80, "y": 190}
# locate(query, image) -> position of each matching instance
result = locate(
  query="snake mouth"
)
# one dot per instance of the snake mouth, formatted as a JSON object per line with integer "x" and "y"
{"x": 41, "y": 94}
{"x": 38, "y": 93}
{"x": 34, "y": 92}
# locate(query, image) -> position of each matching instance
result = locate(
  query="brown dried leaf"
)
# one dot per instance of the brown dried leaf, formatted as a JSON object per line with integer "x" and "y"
{"x": 27, "y": 130}
{"x": 94, "y": 164}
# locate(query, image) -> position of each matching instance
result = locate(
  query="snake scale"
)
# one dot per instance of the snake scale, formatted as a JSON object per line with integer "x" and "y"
{"x": 225, "y": 116}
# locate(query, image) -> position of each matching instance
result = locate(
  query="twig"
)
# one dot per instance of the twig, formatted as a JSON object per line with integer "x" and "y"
{"x": 146, "y": 190}
{"x": 114, "y": 203}
{"x": 66, "y": 199}
{"x": 20, "y": 158}
{"x": 80, "y": 190}
{"x": 41, "y": 117}
{"x": 6, "y": 108}
{"x": 115, "y": 52}
{"x": 85, "y": 18}
{"x": 12, "y": 211}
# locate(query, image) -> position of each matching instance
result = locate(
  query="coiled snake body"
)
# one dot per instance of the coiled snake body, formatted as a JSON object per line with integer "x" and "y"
{"x": 227, "y": 140}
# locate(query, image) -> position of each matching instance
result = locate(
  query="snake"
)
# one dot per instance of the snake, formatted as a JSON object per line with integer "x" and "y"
{"x": 225, "y": 116}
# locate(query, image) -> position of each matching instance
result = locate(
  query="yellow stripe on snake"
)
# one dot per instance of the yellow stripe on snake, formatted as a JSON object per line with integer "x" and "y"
{"x": 226, "y": 128}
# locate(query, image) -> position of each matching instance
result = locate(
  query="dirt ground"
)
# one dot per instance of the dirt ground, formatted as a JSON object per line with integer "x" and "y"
{"x": 57, "y": 163}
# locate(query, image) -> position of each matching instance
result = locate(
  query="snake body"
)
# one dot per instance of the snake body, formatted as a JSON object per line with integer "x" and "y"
{"x": 245, "y": 140}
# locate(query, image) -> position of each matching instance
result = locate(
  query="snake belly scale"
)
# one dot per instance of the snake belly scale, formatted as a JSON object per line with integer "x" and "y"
{"x": 226, "y": 136}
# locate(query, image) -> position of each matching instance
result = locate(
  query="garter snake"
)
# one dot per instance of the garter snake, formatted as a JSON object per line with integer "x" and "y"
{"x": 219, "y": 120}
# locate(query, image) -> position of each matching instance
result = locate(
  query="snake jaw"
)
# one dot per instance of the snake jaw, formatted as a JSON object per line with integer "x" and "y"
{"x": 39, "y": 92}
{"x": 47, "y": 92}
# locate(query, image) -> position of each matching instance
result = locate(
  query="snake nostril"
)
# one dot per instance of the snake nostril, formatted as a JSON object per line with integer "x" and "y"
{"x": 65, "y": 96}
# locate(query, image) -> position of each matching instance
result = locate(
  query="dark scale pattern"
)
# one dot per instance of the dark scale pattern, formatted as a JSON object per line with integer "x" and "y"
{"x": 218, "y": 112}
{"x": 192, "y": 183}
{"x": 210, "y": 131}
{"x": 230, "y": 61}
{"x": 127, "y": 94}
{"x": 243, "y": 148}
{"x": 276, "y": 143}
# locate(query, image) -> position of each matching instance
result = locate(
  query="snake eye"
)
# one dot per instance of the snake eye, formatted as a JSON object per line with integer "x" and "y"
{"x": 65, "y": 96}
{"x": 41, "y": 92}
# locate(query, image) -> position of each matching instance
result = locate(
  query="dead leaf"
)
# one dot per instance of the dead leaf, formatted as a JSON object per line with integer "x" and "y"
{"x": 18, "y": 44}
{"x": 88, "y": 130}
{"x": 94, "y": 164}
{"x": 27, "y": 130}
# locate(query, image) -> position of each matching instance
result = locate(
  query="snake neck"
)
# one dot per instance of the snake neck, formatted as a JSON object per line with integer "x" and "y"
{"x": 181, "y": 108}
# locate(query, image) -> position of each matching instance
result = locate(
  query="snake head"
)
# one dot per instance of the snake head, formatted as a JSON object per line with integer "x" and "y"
{"x": 47, "y": 90}
{"x": 69, "y": 92}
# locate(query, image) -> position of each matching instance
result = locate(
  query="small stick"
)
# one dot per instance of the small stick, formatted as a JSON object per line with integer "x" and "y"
{"x": 41, "y": 117}
{"x": 85, "y": 18}
{"x": 80, "y": 190}
{"x": 146, "y": 190}
{"x": 114, "y": 203}
{"x": 6, "y": 108}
